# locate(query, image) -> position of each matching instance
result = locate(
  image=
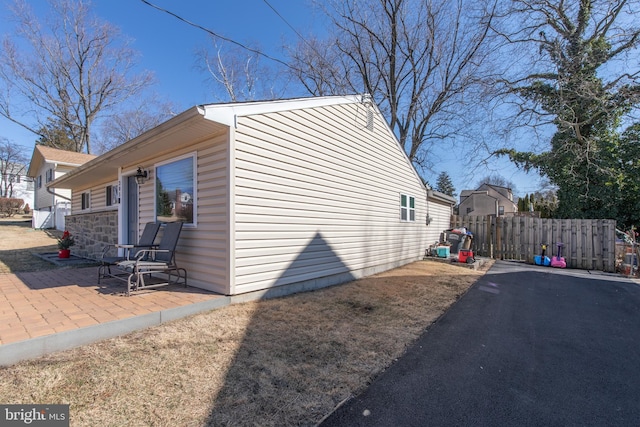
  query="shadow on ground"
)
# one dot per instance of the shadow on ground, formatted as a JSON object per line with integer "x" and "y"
{"x": 302, "y": 355}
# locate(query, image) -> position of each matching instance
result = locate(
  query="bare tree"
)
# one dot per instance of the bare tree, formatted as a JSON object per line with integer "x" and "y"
{"x": 239, "y": 73}
{"x": 423, "y": 63}
{"x": 498, "y": 180}
{"x": 125, "y": 125}
{"x": 12, "y": 165}
{"x": 67, "y": 70}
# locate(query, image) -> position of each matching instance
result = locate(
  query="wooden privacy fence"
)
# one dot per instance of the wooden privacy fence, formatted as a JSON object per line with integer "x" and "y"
{"x": 588, "y": 243}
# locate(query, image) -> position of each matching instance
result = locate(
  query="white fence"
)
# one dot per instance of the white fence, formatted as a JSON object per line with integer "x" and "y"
{"x": 52, "y": 219}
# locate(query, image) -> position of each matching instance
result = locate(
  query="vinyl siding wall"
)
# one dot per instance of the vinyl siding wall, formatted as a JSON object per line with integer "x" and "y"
{"x": 43, "y": 199}
{"x": 97, "y": 202}
{"x": 202, "y": 249}
{"x": 317, "y": 194}
{"x": 441, "y": 220}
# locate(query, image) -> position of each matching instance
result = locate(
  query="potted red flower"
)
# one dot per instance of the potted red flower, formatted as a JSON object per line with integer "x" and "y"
{"x": 64, "y": 243}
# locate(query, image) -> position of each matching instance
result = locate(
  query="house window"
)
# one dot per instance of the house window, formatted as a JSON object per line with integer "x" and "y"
{"x": 407, "y": 208}
{"x": 113, "y": 195}
{"x": 176, "y": 190}
{"x": 469, "y": 210}
{"x": 49, "y": 177}
{"x": 39, "y": 179}
{"x": 86, "y": 197}
{"x": 500, "y": 210}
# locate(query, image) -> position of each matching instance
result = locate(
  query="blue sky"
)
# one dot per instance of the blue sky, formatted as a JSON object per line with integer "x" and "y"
{"x": 167, "y": 47}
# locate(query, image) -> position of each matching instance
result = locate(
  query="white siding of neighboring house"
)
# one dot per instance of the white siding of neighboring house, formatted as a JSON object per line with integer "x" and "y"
{"x": 318, "y": 194}
{"x": 24, "y": 189}
{"x": 202, "y": 250}
{"x": 42, "y": 198}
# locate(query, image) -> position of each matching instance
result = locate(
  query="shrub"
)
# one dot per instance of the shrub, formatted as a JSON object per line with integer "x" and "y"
{"x": 9, "y": 207}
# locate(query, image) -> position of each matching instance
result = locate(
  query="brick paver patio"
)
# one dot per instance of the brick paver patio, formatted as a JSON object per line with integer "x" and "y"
{"x": 42, "y": 303}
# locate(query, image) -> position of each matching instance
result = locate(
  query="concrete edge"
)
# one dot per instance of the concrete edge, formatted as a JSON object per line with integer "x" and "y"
{"x": 12, "y": 353}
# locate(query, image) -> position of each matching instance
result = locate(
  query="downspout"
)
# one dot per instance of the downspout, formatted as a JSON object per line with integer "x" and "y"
{"x": 57, "y": 195}
{"x": 55, "y": 166}
{"x": 54, "y": 194}
{"x": 429, "y": 194}
{"x": 55, "y": 211}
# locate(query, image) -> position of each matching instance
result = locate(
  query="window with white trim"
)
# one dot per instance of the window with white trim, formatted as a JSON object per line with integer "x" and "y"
{"x": 49, "y": 176}
{"x": 112, "y": 195}
{"x": 176, "y": 190}
{"x": 407, "y": 208}
{"x": 39, "y": 179}
{"x": 86, "y": 200}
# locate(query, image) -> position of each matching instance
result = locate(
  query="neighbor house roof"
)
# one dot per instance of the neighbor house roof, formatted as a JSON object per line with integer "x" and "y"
{"x": 42, "y": 154}
{"x": 437, "y": 195}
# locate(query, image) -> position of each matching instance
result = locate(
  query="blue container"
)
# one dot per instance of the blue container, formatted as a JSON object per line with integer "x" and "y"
{"x": 443, "y": 251}
{"x": 540, "y": 260}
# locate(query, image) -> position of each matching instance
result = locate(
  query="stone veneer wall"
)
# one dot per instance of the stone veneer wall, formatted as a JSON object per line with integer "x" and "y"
{"x": 92, "y": 232}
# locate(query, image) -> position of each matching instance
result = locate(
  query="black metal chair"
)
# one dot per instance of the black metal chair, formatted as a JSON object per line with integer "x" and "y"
{"x": 146, "y": 241}
{"x": 150, "y": 262}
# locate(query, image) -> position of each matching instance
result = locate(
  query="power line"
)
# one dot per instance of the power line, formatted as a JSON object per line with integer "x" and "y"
{"x": 286, "y": 22}
{"x": 200, "y": 27}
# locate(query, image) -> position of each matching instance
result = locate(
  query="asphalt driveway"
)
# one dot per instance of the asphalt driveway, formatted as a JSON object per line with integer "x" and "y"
{"x": 526, "y": 346}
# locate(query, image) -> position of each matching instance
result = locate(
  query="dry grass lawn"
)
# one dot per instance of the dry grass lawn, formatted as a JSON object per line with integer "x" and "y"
{"x": 279, "y": 362}
{"x": 18, "y": 243}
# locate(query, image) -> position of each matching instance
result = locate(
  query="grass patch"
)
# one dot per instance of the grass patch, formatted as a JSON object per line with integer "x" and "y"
{"x": 20, "y": 242}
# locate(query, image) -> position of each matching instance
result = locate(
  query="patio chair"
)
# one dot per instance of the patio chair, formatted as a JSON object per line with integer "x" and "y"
{"x": 149, "y": 263}
{"x": 146, "y": 241}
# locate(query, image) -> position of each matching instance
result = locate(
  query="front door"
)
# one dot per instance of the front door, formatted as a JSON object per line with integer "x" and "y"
{"x": 132, "y": 210}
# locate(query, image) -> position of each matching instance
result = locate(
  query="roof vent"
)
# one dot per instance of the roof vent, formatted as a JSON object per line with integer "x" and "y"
{"x": 370, "y": 120}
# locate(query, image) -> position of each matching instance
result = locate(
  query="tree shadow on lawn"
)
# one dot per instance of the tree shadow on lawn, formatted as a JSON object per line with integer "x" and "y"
{"x": 25, "y": 260}
{"x": 301, "y": 355}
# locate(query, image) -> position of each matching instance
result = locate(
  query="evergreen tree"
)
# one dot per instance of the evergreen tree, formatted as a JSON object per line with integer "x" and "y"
{"x": 444, "y": 185}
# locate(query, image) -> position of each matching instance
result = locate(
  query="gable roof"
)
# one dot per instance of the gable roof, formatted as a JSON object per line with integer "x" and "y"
{"x": 198, "y": 122}
{"x": 226, "y": 113}
{"x": 42, "y": 154}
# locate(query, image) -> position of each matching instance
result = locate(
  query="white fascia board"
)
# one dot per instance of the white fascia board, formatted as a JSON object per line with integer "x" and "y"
{"x": 226, "y": 113}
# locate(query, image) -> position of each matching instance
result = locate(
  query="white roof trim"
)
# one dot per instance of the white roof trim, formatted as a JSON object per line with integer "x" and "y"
{"x": 226, "y": 113}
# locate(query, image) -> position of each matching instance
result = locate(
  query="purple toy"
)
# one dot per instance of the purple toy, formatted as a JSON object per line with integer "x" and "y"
{"x": 558, "y": 260}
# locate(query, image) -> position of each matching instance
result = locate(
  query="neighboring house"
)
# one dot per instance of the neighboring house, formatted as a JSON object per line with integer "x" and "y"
{"x": 15, "y": 184}
{"x": 307, "y": 192}
{"x": 46, "y": 165}
{"x": 487, "y": 200}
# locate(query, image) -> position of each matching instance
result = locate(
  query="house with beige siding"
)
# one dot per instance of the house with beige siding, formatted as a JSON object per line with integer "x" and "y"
{"x": 48, "y": 164}
{"x": 488, "y": 199}
{"x": 305, "y": 192}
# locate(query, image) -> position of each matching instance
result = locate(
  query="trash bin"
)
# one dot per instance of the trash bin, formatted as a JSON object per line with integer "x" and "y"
{"x": 456, "y": 239}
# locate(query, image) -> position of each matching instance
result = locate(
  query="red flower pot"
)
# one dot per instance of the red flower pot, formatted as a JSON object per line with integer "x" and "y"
{"x": 64, "y": 253}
